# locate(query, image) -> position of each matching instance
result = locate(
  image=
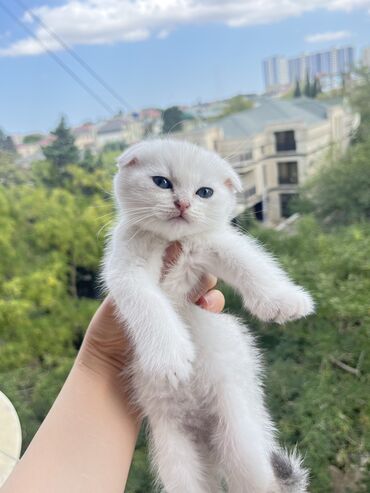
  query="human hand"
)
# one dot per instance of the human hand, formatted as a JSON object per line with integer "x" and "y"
{"x": 106, "y": 348}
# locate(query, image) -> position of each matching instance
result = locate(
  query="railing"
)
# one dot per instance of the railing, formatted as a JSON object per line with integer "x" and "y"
{"x": 246, "y": 194}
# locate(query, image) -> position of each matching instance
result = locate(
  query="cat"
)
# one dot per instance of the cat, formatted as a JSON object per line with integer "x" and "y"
{"x": 197, "y": 375}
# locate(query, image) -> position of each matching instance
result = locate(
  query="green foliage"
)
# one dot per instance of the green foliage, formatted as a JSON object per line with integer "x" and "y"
{"x": 307, "y": 86}
{"x": 316, "y": 403}
{"x": 10, "y": 172}
{"x": 61, "y": 153}
{"x": 6, "y": 143}
{"x": 297, "y": 90}
{"x": 114, "y": 146}
{"x": 312, "y": 88}
{"x": 317, "y": 369}
{"x": 236, "y": 105}
{"x": 172, "y": 120}
{"x": 360, "y": 101}
{"x": 339, "y": 192}
{"x": 49, "y": 245}
{"x": 32, "y": 138}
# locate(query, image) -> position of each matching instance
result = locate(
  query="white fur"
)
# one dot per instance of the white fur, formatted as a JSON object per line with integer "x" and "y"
{"x": 197, "y": 375}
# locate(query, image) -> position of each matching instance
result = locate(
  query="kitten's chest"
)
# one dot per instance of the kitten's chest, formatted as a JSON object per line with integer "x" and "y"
{"x": 180, "y": 278}
{"x": 185, "y": 274}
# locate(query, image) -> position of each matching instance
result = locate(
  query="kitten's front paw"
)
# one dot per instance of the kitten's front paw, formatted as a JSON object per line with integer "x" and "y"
{"x": 288, "y": 303}
{"x": 171, "y": 361}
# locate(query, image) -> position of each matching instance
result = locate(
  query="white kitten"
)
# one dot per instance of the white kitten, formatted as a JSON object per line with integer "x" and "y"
{"x": 197, "y": 375}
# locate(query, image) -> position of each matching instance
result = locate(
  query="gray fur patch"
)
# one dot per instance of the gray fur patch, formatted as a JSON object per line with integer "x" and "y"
{"x": 282, "y": 467}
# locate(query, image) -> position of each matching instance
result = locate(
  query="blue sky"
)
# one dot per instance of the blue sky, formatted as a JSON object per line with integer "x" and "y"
{"x": 158, "y": 52}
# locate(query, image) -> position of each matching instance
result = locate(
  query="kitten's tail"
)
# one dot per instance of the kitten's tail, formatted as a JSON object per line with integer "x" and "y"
{"x": 289, "y": 472}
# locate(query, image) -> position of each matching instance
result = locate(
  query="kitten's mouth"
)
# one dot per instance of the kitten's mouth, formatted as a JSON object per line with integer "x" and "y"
{"x": 179, "y": 218}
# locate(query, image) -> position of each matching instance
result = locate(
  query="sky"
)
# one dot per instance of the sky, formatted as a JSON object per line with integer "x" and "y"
{"x": 154, "y": 53}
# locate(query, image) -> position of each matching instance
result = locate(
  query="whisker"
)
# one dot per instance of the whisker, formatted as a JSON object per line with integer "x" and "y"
{"x": 103, "y": 227}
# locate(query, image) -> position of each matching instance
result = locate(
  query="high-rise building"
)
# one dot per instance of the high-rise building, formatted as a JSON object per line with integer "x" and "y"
{"x": 365, "y": 59}
{"x": 280, "y": 71}
{"x": 275, "y": 71}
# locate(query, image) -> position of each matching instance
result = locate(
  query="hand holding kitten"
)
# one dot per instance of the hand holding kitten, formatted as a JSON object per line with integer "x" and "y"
{"x": 106, "y": 347}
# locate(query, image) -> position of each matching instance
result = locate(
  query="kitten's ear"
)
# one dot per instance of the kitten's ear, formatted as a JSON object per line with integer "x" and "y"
{"x": 233, "y": 182}
{"x": 129, "y": 157}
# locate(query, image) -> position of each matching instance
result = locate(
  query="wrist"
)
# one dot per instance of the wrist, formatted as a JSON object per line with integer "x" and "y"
{"x": 93, "y": 360}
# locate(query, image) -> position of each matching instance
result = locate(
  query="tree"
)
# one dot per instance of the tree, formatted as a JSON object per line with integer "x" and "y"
{"x": 61, "y": 152}
{"x": 88, "y": 161}
{"x": 297, "y": 90}
{"x": 6, "y": 143}
{"x": 172, "y": 120}
{"x": 32, "y": 138}
{"x": 236, "y": 105}
{"x": 339, "y": 191}
{"x": 314, "y": 90}
{"x": 360, "y": 101}
{"x": 307, "y": 87}
{"x": 10, "y": 172}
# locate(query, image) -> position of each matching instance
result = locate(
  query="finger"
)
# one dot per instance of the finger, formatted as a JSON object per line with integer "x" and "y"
{"x": 171, "y": 256}
{"x": 213, "y": 301}
{"x": 206, "y": 283}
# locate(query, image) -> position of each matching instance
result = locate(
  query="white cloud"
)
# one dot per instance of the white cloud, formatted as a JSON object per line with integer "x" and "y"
{"x": 91, "y": 22}
{"x": 327, "y": 36}
{"x": 163, "y": 34}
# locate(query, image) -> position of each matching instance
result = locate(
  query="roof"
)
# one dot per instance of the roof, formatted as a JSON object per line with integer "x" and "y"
{"x": 269, "y": 111}
{"x": 83, "y": 129}
{"x": 111, "y": 126}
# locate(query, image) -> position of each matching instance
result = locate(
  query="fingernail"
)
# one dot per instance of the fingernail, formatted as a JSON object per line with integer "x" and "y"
{"x": 203, "y": 302}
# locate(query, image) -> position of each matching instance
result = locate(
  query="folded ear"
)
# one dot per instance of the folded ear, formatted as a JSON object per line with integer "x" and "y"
{"x": 233, "y": 181}
{"x": 129, "y": 157}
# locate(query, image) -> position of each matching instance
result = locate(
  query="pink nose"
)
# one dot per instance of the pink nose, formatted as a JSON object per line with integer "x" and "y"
{"x": 182, "y": 205}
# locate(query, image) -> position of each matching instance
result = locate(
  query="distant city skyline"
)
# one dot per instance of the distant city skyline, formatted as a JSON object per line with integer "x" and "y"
{"x": 280, "y": 71}
{"x": 154, "y": 54}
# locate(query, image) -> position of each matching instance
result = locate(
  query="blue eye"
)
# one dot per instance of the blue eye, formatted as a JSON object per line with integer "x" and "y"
{"x": 162, "y": 182}
{"x": 205, "y": 192}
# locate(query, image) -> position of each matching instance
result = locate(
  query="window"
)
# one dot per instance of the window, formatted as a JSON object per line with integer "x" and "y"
{"x": 285, "y": 203}
{"x": 285, "y": 141}
{"x": 288, "y": 173}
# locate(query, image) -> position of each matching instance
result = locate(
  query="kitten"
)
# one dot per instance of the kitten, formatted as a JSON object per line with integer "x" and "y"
{"x": 196, "y": 374}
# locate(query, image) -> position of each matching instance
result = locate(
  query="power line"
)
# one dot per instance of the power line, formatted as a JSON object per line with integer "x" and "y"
{"x": 60, "y": 62}
{"x": 77, "y": 57}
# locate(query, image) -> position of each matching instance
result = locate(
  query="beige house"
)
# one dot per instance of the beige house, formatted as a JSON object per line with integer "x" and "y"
{"x": 275, "y": 146}
{"x": 120, "y": 129}
{"x": 85, "y": 136}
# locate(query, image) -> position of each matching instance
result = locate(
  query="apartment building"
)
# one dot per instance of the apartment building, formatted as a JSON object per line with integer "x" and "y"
{"x": 328, "y": 65}
{"x": 275, "y": 147}
{"x": 365, "y": 58}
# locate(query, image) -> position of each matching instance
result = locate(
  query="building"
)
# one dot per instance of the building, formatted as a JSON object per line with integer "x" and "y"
{"x": 365, "y": 58}
{"x": 275, "y": 146}
{"x": 329, "y": 66}
{"x": 276, "y": 73}
{"x": 33, "y": 151}
{"x": 85, "y": 136}
{"x": 120, "y": 129}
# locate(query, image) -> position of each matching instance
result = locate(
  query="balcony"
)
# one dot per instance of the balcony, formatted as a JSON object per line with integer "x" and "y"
{"x": 245, "y": 196}
{"x": 239, "y": 160}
